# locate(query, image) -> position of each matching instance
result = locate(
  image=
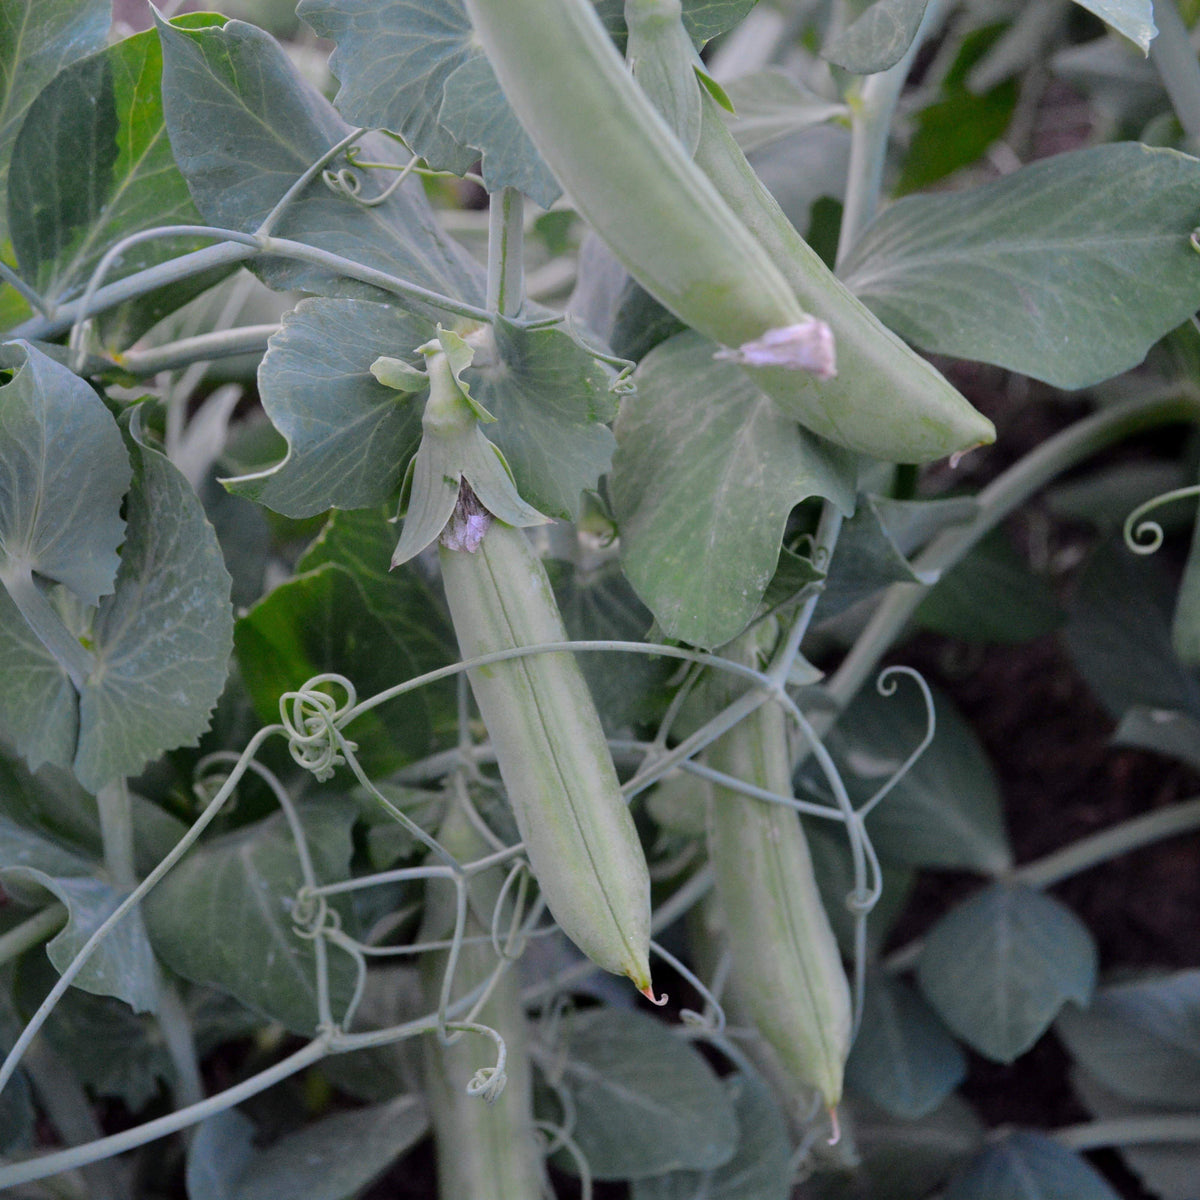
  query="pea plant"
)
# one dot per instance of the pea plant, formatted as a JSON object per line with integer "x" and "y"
{"x": 464, "y": 502}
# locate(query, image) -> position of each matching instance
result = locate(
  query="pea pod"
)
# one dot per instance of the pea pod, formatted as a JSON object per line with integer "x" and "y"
{"x": 682, "y": 237}
{"x": 485, "y": 1150}
{"x": 785, "y": 957}
{"x": 552, "y": 753}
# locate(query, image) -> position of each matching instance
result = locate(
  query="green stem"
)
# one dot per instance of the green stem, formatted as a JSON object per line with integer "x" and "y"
{"x": 50, "y": 629}
{"x": 1131, "y": 1131}
{"x": 506, "y": 253}
{"x": 1088, "y": 852}
{"x": 870, "y": 128}
{"x": 205, "y": 347}
{"x": 32, "y": 931}
{"x": 1175, "y": 60}
{"x": 176, "y": 1027}
{"x": 116, "y": 833}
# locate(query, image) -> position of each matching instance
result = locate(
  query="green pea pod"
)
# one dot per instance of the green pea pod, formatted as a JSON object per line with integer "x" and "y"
{"x": 785, "y": 957}
{"x": 485, "y": 1150}
{"x": 552, "y": 753}
{"x": 681, "y": 235}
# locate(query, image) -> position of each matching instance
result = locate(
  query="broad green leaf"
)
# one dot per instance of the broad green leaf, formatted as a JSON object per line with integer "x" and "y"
{"x": 550, "y": 398}
{"x": 63, "y": 471}
{"x": 946, "y": 811}
{"x": 999, "y": 966}
{"x": 1068, "y": 270}
{"x": 645, "y": 1101}
{"x": 320, "y": 622}
{"x": 1162, "y": 730}
{"x": 1119, "y": 635}
{"x": 223, "y": 916}
{"x": 706, "y": 472}
{"x": 37, "y": 39}
{"x": 903, "y": 1059}
{"x": 770, "y": 104}
{"x": 336, "y": 1156}
{"x": 163, "y": 639}
{"x": 1133, "y": 18}
{"x": 1141, "y": 1040}
{"x": 991, "y": 596}
{"x": 878, "y": 39}
{"x": 23, "y": 847}
{"x": 898, "y": 1159}
{"x": 1029, "y": 1166}
{"x": 244, "y": 126}
{"x": 759, "y": 1169}
{"x": 706, "y": 19}
{"x": 91, "y": 165}
{"x": 1185, "y": 624}
{"x": 349, "y": 436}
{"x": 220, "y": 1149}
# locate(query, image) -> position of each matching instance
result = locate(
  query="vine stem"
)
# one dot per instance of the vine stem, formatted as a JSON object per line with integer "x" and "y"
{"x": 506, "y": 252}
{"x": 32, "y": 931}
{"x": 204, "y": 347}
{"x": 1130, "y": 1131}
{"x": 1175, "y": 60}
{"x": 116, "y": 832}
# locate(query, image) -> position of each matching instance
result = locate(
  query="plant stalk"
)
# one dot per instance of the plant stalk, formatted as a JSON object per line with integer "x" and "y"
{"x": 1175, "y": 60}
{"x": 32, "y": 931}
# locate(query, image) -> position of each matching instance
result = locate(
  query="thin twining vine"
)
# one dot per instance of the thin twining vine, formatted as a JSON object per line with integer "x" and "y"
{"x": 1145, "y": 537}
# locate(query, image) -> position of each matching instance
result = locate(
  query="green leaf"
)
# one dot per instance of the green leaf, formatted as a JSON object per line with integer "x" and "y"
{"x": 37, "y": 39}
{"x": 946, "y": 812}
{"x": 771, "y": 104}
{"x": 244, "y": 126}
{"x": 661, "y": 57}
{"x": 320, "y": 622}
{"x": 349, "y": 436}
{"x": 999, "y": 966}
{"x": 1141, "y": 1040}
{"x": 878, "y": 39}
{"x": 92, "y": 165}
{"x": 903, "y": 1059}
{"x": 706, "y": 472}
{"x": 1029, "y": 1166}
{"x": 1185, "y": 624}
{"x": 17, "y": 1114}
{"x": 550, "y": 398}
{"x": 759, "y": 1168}
{"x": 991, "y": 596}
{"x": 163, "y": 639}
{"x": 1068, "y": 270}
{"x": 218, "y": 1153}
{"x": 1162, "y": 730}
{"x": 707, "y": 19}
{"x": 63, "y": 471}
{"x": 1133, "y": 18}
{"x": 646, "y": 1102}
{"x": 1119, "y": 635}
{"x": 336, "y": 1156}
{"x": 223, "y": 916}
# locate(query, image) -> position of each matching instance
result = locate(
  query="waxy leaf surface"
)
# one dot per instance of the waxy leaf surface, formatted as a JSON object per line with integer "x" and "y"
{"x": 1068, "y": 269}
{"x": 1133, "y": 18}
{"x": 1029, "y": 1166}
{"x": 770, "y": 104}
{"x": 879, "y": 38}
{"x": 706, "y": 472}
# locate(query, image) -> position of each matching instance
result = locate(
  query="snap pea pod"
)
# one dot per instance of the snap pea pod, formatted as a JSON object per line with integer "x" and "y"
{"x": 786, "y": 960}
{"x": 682, "y": 236}
{"x": 486, "y": 1150}
{"x": 552, "y": 753}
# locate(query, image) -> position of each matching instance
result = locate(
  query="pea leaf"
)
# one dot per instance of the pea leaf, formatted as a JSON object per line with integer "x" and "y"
{"x": 1141, "y": 1039}
{"x": 349, "y": 436}
{"x": 1068, "y": 270}
{"x": 1029, "y": 1166}
{"x": 218, "y": 1153}
{"x": 759, "y": 1168}
{"x": 163, "y": 638}
{"x": 903, "y": 1059}
{"x": 878, "y": 39}
{"x": 551, "y": 399}
{"x": 37, "y": 39}
{"x": 244, "y": 126}
{"x": 244, "y": 885}
{"x": 91, "y": 165}
{"x": 771, "y": 104}
{"x": 645, "y": 1100}
{"x": 1162, "y": 730}
{"x": 1133, "y": 18}
{"x": 998, "y": 967}
{"x": 704, "y": 477}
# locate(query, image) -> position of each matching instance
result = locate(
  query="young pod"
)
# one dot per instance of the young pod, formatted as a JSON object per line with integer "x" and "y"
{"x": 486, "y": 1150}
{"x": 785, "y": 958}
{"x": 551, "y": 751}
{"x": 686, "y": 243}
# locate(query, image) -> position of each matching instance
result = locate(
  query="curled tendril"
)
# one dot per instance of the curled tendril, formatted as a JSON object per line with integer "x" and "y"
{"x": 312, "y": 720}
{"x": 344, "y": 181}
{"x": 712, "y": 1020}
{"x": 886, "y": 685}
{"x": 1145, "y": 537}
{"x": 487, "y": 1083}
{"x": 312, "y": 916}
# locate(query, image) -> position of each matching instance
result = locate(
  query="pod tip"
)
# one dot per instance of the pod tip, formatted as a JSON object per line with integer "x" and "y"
{"x": 835, "y": 1132}
{"x": 648, "y": 992}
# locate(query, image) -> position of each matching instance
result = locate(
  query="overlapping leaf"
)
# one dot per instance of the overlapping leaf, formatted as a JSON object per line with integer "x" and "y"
{"x": 1029, "y": 1166}
{"x": 705, "y": 475}
{"x": 244, "y": 126}
{"x": 771, "y": 104}
{"x": 879, "y": 38}
{"x": 1068, "y": 270}
{"x": 1133, "y": 18}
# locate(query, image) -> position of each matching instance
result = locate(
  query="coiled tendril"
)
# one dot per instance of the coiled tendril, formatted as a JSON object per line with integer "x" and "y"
{"x": 1144, "y": 537}
{"x": 312, "y": 719}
